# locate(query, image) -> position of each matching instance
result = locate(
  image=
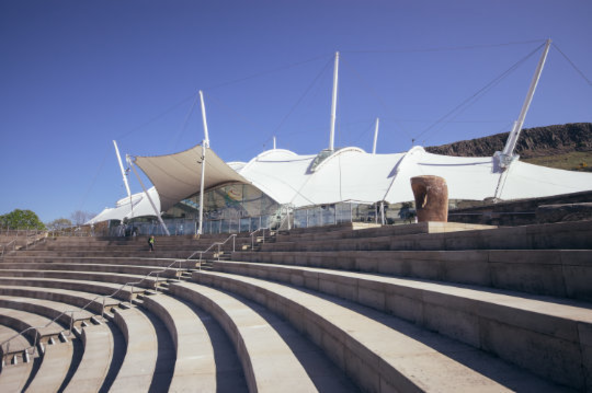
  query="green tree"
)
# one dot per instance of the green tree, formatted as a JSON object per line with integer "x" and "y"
{"x": 21, "y": 219}
{"x": 59, "y": 224}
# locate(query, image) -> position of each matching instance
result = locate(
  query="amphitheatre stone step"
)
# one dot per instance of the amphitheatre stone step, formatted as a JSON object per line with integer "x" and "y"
{"x": 93, "y": 267}
{"x": 380, "y": 231}
{"x": 96, "y": 359}
{"x": 41, "y": 327}
{"x": 558, "y": 331}
{"x": 99, "y": 288}
{"x": 140, "y": 243}
{"x": 91, "y": 301}
{"x": 54, "y": 367}
{"x": 66, "y": 314}
{"x": 561, "y": 273}
{"x": 195, "y": 364}
{"x": 139, "y": 365}
{"x": 13, "y": 377}
{"x": 138, "y": 280}
{"x": 49, "y": 258}
{"x": 273, "y": 355}
{"x": 187, "y": 250}
{"x": 18, "y": 345}
{"x": 345, "y": 226}
{"x": 564, "y": 235}
{"x": 381, "y": 352}
{"x": 178, "y": 254}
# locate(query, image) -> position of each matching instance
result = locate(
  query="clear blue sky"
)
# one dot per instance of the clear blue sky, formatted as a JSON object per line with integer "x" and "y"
{"x": 75, "y": 75}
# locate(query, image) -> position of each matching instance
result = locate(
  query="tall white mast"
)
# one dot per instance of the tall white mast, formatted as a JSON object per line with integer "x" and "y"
{"x": 122, "y": 170}
{"x": 375, "y": 136}
{"x": 156, "y": 212}
{"x": 334, "y": 102}
{"x": 202, "y": 186}
{"x": 205, "y": 122}
{"x": 508, "y": 152}
{"x": 204, "y": 146}
{"x": 127, "y": 187}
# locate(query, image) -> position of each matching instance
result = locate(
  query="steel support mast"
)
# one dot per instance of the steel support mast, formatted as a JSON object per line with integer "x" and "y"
{"x": 507, "y": 155}
{"x": 204, "y": 146}
{"x": 334, "y": 103}
{"x": 156, "y": 212}
{"x": 375, "y": 136}
{"x": 124, "y": 175}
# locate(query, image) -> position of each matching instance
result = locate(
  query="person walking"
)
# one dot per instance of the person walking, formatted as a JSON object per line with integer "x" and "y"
{"x": 151, "y": 243}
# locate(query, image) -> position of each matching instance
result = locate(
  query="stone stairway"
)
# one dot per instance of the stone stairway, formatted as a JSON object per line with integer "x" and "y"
{"x": 422, "y": 307}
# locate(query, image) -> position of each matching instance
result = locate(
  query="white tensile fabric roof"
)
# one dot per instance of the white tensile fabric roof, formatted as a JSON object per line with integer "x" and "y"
{"x": 348, "y": 174}
{"x": 140, "y": 203}
{"x": 178, "y": 176}
{"x": 352, "y": 174}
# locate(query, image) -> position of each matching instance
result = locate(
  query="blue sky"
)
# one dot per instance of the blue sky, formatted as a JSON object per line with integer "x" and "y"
{"x": 75, "y": 75}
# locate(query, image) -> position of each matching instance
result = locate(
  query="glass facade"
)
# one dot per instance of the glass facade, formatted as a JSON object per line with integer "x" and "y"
{"x": 230, "y": 208}
{"x": 234, "y": 208}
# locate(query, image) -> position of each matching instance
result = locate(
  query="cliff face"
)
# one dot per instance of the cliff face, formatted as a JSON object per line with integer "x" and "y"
{"x": 533, "y": 142}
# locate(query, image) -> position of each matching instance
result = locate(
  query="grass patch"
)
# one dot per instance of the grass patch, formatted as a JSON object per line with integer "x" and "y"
{"x": 574, "y": 161}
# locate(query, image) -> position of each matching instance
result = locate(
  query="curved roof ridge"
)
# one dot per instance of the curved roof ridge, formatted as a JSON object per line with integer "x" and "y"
{"x": 337, "y": 153}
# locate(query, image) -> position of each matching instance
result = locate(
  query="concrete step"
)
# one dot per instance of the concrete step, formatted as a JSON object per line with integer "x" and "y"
{"x": 51, "y": 258}
{"x": 383, "y": 352}
{"x": 54, "y": 367}
{"x": 18, "y": 352}
{"x": 158, "y": 253}
{"x": 100, "y": 288}
{"x": 139, "y": 366}
{"x": 564, "y": 235}
{"x": 96, "y": 359}
{"x": 91, "y": 301}
{"x": 44, "y": 328}
{"x": 13, "y": 377}
{"x": 560, "y": 273}
{"x": 65, "y": 313}
{"x": 92, "y": 267}
{"x": 195, "y": 364}
{"x": 379, "y": 231}
{"x": 274, "y": 357}
{"x": 558, "y": 329}
{"x": 138, "y": 280}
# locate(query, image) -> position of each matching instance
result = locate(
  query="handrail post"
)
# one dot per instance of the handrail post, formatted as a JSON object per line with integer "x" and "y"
{"x": 219, "y": 244}
{"x": 234, "y": 243}
{"x": 35, "y": 340}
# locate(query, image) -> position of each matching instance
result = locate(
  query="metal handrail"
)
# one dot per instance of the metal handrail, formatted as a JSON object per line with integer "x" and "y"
{"x": 6, "y": 245}
{"x": 35, "y": 241}
{"x": 286, "y": 217}
{"x": 105, "y": 297}
{"x": 219, "y": 244}
{"x": 254, "y": 232}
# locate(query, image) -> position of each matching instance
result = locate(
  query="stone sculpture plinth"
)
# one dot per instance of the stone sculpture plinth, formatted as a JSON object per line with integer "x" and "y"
{"x": 431, "y": 198}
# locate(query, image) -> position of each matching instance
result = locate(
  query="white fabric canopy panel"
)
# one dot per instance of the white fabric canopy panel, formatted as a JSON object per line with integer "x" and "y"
{"x": 352, "y": 174}
{"x": 178, "y": 176}
{"x": 141, "y": 208}
{"x": 348, "y": 174}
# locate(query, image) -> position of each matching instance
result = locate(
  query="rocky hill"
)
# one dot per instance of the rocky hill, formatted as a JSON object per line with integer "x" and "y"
{"x": 533, "y": 142}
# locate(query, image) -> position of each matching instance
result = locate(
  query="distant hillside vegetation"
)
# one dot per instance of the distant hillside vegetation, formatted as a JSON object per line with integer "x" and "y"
{"x": 567, "y": 146}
